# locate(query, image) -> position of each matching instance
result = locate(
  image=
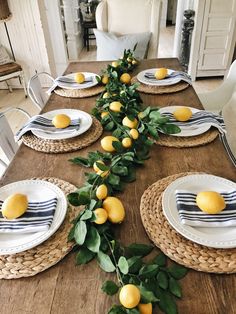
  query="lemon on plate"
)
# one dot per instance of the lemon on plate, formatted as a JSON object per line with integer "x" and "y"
{"x": 182, "y": 114}
{"x": 61, "y": 121}
{"x": 210, "y": 202}
{"x": 79, "y": 77}
{"x": 14, "y": 206}
{"x": 161, "y": 73}
{"x": 129, "y": 296}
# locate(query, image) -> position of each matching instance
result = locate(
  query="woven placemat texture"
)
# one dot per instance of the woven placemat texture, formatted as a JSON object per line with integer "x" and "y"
{"x": 79, "y": 93}
{"x": 47, "y": 254}
{"x": 150, "y": 89}
{"x": 64, "y": 146}
{"x": 174, "y": 245}
{"x": 189, "y": 141}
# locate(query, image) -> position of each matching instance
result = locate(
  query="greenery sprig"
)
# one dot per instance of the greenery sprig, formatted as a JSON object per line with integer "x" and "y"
{"x": 134, "y": 129}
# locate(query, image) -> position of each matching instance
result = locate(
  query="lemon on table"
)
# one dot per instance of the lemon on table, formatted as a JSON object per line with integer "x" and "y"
{"x": 114, "y": 208}
{"x": 95, "y": 167}
{"x": 105, "y": 79}
{"x": 104, "y": 114}
{"x": 115, "y": 106}
{"x": 161, "y": 73}
{"x": 101, "y": 191}
{"x": 145, "y": 308}
{"x": 182, "y": 114}
{"x": 129, "y": 296}
{"x": 101, "y": 216}
{"x": 132, "y": 124}
{"x": 61, "y": 121}
{"x": 106, "y": 143}
{"x": 102, "y": 173}
{"x": 125, "y": 78}
{"x": 134, "y": 134}
{"x": 127, "y": 142}
{"x": 14, "y": 206}
{"x": 79, "y": 78}
{"x": 210, "y": 202}
{"x": 114, "y": 64}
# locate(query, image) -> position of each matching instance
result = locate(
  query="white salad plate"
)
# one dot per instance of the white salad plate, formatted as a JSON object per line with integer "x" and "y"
{"x": 74, "y": 85}
{"x": 85, "y": 123}
{"x": 185, "y": 131}
{"x": 36, "y": 190}
{"x": 224, "y": 237}
{"x": 165, "y": 82}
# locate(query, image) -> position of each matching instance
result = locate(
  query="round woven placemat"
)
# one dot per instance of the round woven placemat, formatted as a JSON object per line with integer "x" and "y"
{"x": 189, "y": 141}
{"x": 47, "y": 254}
{"x": 79, "y": 93}
{"x": 174, "y": 245}
{"x": 149, "y": 89}
{"x": 64, "y": 146}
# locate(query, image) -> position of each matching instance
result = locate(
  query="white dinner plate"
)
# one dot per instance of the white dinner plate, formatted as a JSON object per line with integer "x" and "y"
{"x": 79, "y": 86}
{"x": 36, "y": 190}
{"x": 85, "y": 123}
{"x": 224, "y": 237}
{"x": 165, "y": 82}
{"x": 185, "y": 131}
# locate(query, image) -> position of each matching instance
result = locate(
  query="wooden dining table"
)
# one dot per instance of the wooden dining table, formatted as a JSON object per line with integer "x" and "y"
{"x": 67, "y": 288}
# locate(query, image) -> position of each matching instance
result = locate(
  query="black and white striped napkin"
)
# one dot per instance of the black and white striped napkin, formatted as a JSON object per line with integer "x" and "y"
{"x": 190, "y": 214}
{"x": 40, "y": 123}
{"x": 199, "y": 119}
{"x": 171, "y": 78}
{"x": 38, "y": 217}
{"x": 67, "y": 82}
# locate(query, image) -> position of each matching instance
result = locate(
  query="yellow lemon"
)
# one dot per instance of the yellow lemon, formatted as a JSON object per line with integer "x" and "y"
{"x": 95, "y": 167}
{"x": 129, "y": 296}
{"x": 140, "y": 115}
{"x": 125, "y": 78}
{"x": 127, "y": 142}
{"x": 14, "y": 206}
{"x": 210, "y": 202}
{"x": 101, "y": 192}
{"x": 106, "y": 95}
{"x": 145, "y": 308}
{"x": 161, "y": 73}
{"x": 129, "y": 123}
{"x": 104, "y": 114}
{"x": 134, "y": 62}
{"x": 106, "y": 143}
{"x": 182, "y": 114}
{"x": 79, "y": 77}
{"x": 61, "y": 121}
{"x": 102, "y": 173}
{"x": 101, "y": 216}
{"x": 114, "y": 208}
{"x": 129, "y": 59}
{"x": 105, "y": 79}
{"x": 115, "y": 106}
{"x": 115, "y": 64}
{"x": 134, "y": 134}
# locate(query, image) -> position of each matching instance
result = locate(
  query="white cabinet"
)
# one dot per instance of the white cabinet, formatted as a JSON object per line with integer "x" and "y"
{"x": 214, "y": 37}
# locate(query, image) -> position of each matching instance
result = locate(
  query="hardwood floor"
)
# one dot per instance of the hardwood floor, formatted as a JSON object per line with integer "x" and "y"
{"x": 17, "y": 98}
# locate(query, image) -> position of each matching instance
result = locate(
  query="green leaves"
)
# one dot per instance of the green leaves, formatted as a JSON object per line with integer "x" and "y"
{"x": 80, "y": 232}
{"x": 139, "y": 249}
{"x": 84, "y": 256}
{"x": 175, "y": 288}
{"x": 105, "y": 262}
{"x": 123, "y": 265}
{"x": 178, "y": 271}
{"x": 162, "y": 279}
{"x": 110, "y": 287}
{"x": 93, "y": 240}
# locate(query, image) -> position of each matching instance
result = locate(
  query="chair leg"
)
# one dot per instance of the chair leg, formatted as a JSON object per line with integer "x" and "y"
{"x": 22, "y": 81}
{"x": 9, "y": 87}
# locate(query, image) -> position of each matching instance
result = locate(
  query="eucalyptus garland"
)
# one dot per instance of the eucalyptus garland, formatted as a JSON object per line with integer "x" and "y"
{"x": 120, "y": 110}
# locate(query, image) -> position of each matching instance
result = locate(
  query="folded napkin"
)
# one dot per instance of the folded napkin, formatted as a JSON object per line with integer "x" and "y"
{"x": 38, "y": 217}
{"x": 190, "y": 214}
{"x": 171, "y": 78}
{"x": 40, "y": 123}
{"x": 66, "y": 82}
{"x": 198, "y": 119}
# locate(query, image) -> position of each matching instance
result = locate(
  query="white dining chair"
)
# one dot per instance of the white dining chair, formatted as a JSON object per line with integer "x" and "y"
{"x": 35, "y": 90}
{"x": 7, "y": 141}
{"x": 215, "y": 100}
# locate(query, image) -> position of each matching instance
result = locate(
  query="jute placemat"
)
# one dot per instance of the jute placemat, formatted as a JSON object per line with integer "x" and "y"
{"x": 189, "y": 141}
{"x": 47, "y": 254}
{"x": 149, "y": 89}
{"x": 64, "y": 146}
{"x": 174, "y": 245}
{"x": 79, "y": 93}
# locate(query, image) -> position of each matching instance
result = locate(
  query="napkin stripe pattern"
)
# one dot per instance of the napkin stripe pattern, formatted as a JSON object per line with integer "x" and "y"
{"x": 150, "y": 76}
{"x": 228, "y": 149}
{"x": 38, "y": 217}
{"x": 40, "y": 123}
{"x": 191, "y": 214}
